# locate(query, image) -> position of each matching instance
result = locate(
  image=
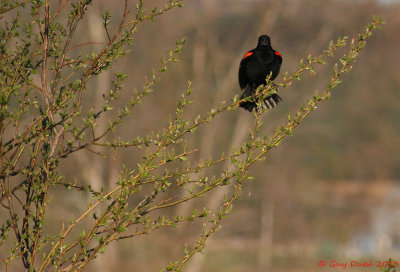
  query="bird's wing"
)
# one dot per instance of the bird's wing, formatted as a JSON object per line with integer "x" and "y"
{"x": 243, "y": 79}
{"x": 279, "y": 56}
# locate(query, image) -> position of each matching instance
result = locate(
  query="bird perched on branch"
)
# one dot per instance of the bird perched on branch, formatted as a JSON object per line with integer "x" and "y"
{"x": 255, "y": 67}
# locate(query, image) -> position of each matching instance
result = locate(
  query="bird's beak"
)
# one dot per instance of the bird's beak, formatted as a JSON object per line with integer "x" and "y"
{"x": 264, "y": 42}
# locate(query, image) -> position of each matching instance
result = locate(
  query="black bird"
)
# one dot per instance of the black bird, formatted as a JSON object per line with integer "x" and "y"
{"x": 255, "y": 67}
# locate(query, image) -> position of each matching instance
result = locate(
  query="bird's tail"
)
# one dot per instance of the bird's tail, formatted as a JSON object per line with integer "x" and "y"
{"x": 269, "y": 102}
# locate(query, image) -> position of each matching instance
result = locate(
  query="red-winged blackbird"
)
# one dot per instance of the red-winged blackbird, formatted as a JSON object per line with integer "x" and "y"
{"x": 255, "y": 67}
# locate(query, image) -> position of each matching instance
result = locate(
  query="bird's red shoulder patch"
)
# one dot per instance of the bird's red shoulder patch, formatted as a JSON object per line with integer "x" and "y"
{"x": 278, "y": 54}
{"x": 248, "y": 54}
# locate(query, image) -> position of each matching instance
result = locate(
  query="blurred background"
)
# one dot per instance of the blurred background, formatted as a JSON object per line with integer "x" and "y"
{"x": 331, "y": 192}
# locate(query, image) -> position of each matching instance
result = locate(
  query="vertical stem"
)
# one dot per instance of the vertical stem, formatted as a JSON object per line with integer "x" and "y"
{"x": 45, "y": 47}
{"x": 266, "y": 234}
